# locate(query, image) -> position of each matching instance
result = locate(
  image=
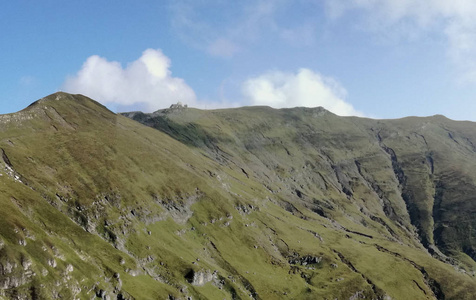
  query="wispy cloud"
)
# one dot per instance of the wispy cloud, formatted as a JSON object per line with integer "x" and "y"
{"x": 455, "y": 21}
{"x": 223, "y": 47}
{"x": 146, "y": 82}
{"x": 302, "y": 35}
{"x": 304, "y": 88}
{"x": 237, "y": 26}
{"x": 28, "y": 80}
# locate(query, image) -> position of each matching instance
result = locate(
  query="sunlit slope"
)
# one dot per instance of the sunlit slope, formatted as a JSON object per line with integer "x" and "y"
{"x": 232, "y": 204}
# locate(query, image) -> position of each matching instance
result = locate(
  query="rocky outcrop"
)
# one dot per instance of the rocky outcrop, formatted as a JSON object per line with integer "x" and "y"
{"x": 13, "y": 275}
{"x": 201, "y": 277}
{"x": 305, "y": 260}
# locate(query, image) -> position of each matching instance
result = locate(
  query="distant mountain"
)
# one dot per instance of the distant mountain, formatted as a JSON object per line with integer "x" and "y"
{"x": 245, "y": 203}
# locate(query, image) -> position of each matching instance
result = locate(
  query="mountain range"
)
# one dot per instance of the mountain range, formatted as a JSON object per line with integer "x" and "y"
{"x": 242, "y": 203}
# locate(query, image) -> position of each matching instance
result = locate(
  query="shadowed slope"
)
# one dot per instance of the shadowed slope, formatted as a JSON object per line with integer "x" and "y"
{"x": 412, "y": 176}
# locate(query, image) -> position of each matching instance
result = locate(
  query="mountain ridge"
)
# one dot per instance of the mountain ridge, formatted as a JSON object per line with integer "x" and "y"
{"x": 234, "y": 204}
{"x": 427, "y": 122}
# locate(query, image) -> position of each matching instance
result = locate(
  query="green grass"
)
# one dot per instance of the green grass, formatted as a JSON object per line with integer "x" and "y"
{"x": 238, "y": 192}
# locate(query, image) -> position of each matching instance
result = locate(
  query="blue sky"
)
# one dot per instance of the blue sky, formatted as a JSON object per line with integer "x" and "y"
{"x": 374, "y": 58}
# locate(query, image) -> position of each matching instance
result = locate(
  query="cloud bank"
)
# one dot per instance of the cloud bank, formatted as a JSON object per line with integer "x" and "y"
{"x": 146, "y": 82}
{"x": 304, "y": 88}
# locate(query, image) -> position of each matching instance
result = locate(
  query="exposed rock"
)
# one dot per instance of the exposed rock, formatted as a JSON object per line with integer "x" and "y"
{"x": 357, "y": 295}
{"x": 177, "y": 106}
{"x": 179, "y": 209}
{"x": 69, "y": 268}
{"x": 11, "y": 276}
{"x": 52, "y": 263}
{"x": 199, "y": 278}
{"x": 133, "y": 272}
{"x": 7, "y": 267}
{"x": 102, "y": 294}
{"x": 246, "y": 209}
{"x": 304, "y": 260}
{"x": 26, "y": 263}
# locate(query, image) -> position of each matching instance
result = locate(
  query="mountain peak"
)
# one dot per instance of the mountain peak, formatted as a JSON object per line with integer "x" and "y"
{"x": 62, "y": 99}
{"x": 53, "y": 97}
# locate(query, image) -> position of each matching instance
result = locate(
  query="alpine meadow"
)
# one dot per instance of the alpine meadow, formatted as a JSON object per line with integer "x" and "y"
{"x": 241, "y": 203}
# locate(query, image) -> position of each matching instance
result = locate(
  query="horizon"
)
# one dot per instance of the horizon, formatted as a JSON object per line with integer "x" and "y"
{"x": 238, "y": 107}
{"x": 382, "y": 61}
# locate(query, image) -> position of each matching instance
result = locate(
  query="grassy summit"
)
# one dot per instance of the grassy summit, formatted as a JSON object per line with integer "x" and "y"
{"x": 233, "y": 204}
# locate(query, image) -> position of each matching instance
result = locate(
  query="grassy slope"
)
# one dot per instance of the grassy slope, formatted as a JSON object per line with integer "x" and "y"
{"x": 401, "y": 178}
{"x": 95, "y": 203}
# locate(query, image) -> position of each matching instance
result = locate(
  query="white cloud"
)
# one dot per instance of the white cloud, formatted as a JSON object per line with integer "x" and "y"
{"x": 146, "y": 82}
{"x": 304, "y": 88}
{"x": 454, "y": 20}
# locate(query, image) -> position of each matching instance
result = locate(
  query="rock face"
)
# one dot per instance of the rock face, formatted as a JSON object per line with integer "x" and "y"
{"x": 200, "y": 278}
{"x": 304, "y": 260}
{"x": 13, "y": 275}
{"x": 284, "y": 204}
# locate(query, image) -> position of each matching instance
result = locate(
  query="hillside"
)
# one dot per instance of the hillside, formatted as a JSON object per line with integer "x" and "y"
{"x": 239, "y": 203}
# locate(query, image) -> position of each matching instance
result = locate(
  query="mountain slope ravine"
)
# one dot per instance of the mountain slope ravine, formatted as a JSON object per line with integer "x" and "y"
{"x": 246, "y": 203}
